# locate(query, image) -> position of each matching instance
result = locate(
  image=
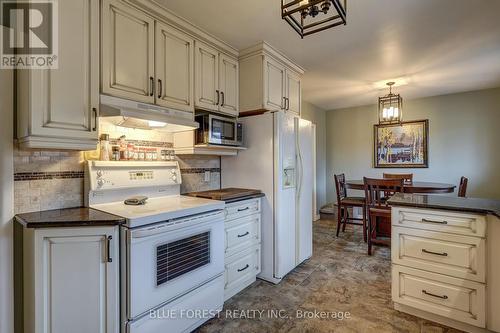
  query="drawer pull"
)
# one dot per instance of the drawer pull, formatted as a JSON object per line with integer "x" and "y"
{"x": 243, "y": 209}
{"x": 242, "y": 269}
{"x": 437, "y": 222}
{"x": 243, "y": 235}
{"x": 434, "y": 295}
{"x": 443, "y": 254}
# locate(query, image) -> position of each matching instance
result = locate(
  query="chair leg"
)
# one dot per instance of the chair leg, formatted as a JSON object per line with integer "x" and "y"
{"x": 370, "y": 235}
{"x": 364, "y": 224}
{"x": 346, "y": 218}
{"x": 339, "y": 219}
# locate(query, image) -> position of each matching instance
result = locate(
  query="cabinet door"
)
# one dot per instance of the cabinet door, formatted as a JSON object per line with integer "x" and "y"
{"x": 128, "y": 52}
{"x": 228, "y": 85}
{"x": 65, "y": 101}
{"x": 293, "y": 92}
{"x": 76, "y": 283}
{"x": 174, "y": 68}
{"x": 206, "y": 77}
{"x": 274, "y": 85}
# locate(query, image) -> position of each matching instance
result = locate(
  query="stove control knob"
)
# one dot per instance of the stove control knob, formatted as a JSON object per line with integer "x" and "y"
{"x": 100, "y": 182}
{"x": 99, "y": 173}
{"x": 174, "y": 178}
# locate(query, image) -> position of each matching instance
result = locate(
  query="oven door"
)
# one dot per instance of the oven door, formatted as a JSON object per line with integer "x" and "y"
{"x": 223, "y": 131}
{"x": 167, "y": 260}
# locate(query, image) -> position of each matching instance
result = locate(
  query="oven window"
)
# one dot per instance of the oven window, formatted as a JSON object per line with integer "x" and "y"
{"x": 182, "y": 256}
{"x": 223, "y": 129}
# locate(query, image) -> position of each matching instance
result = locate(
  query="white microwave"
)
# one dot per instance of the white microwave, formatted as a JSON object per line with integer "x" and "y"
{"x": 218, "y": 130}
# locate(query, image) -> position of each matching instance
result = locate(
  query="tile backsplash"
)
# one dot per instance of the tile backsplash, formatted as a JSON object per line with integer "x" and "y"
{"x": 50, "y": 179}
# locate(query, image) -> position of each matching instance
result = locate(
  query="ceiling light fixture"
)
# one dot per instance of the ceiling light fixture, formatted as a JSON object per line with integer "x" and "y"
{"x": 302, "y": 15}
{"x": 390, "y": 107}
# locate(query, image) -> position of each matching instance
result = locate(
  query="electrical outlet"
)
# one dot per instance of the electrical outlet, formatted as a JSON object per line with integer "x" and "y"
{"x": 207, "y": 176}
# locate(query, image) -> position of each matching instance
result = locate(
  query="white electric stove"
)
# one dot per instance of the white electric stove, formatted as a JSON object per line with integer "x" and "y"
{"x": 171, "y": 247}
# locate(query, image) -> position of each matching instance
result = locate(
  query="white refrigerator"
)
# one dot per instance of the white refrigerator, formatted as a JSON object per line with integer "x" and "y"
{"x": 278, "y": 161}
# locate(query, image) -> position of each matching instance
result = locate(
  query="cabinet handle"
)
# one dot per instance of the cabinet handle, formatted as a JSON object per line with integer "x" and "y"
{"x": 108, "y": 247}
{"x": 283, "y": 104}
{"x": 444, "y": 254}
{"x": 432, "y": 221}
{"x": 160, "y": 88}
{"x": 222, "y": 100}
{"x": 287, "y": 103}
{"x": 151, "y": 86}
{"x": 242, "y": 269}
{"x": 218, "y": 97}
{"x": 243, "y": 209}
{"x": 434, "y": 295}
{"x": 243, "y": 235}
{"x": 94, "y": 110}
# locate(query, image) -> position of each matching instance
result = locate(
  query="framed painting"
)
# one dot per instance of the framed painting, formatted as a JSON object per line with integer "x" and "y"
{"x": 402, "y": 145}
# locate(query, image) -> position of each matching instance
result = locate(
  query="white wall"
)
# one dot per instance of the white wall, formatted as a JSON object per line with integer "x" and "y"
{"x": 464, "y": 140}
{"x": 318, "y": 116}
{"x": 6, "y": 201}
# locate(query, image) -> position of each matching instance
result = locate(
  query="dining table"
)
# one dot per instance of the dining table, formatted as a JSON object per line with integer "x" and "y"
{"x": 414, "y": 187}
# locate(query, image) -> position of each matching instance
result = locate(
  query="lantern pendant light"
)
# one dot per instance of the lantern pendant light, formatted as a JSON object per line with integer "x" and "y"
{"x": 307, "y": 17}
{"x": 390, "y": 107}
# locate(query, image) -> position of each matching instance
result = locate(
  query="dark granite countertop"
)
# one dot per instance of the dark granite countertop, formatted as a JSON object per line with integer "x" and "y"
{"x": 471, "y": 205}
{"x": 228, "y": 195}
{"x": 68, "y": 217}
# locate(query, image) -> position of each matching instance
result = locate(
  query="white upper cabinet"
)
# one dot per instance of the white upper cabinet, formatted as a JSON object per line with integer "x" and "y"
{"x": 174, "y": 68}
{"x": 274, "y": 85}
{"x": 269, "y": 81}
{"x": 216, "y": 79}
{"x": 207, "y": 77}
{"x": 293, "y": 92}
{"x": 128, "y": 52}
{"x": 59, "y": 108}
{"x": 151, "y": 57}
{"x": 228, "y": 85}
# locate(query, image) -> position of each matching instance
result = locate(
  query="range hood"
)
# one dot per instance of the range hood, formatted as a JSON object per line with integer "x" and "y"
{"x": 127, "y": 113}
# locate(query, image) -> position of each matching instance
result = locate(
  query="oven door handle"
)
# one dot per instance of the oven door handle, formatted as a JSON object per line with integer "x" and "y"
{"x": 158, "y": 230}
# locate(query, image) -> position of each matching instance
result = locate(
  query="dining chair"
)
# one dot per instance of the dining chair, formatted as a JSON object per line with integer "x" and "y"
{"x": 462, "y": 188}
{"x": 407, "y": 177}
{"x": 344, "y": 203}
{"x": 377, "y": 191}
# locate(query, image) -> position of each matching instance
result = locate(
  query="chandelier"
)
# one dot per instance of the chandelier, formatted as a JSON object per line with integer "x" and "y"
{"x": 390, "y": 107}
{"x": 310, "y": 16}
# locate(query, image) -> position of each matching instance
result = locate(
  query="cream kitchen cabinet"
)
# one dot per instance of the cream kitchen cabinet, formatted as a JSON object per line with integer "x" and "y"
{"x": 71, "y": 280}
{"x": 127, "y": 52}
{"x": 144, "y": 59}
{"x": 216, "y": 76}
{"x": 444, "y": 264}
{"x": 174, "y": 68}
{"x": 242, "y": 249}
{"x": 269, "y": 81}
{"x": 59, "y": 108}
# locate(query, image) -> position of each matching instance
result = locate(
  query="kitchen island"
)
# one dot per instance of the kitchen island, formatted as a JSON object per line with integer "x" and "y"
{"x": 444, "y": 260}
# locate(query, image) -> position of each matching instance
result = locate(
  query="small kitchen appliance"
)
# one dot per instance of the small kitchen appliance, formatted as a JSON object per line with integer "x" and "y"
{"x": 218, "y": 130}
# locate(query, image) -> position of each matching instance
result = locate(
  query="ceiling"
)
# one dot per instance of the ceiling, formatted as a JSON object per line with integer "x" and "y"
{"x": 436, "y": 46}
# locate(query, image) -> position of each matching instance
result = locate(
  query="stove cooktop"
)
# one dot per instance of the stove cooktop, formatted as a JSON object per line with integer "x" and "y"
{"x": 160, "y": 209}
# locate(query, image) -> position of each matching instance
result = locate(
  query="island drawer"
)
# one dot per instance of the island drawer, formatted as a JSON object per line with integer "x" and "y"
{"x": 449, "y": 297}
{"x": 454, "y": 255}
{"x": 437, "y": 220}
{"x": 240, "y": 209}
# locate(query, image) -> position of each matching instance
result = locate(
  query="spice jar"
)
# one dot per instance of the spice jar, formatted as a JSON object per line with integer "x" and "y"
{"x": 154, "y": 153}
{"x": 116, "y": 153}
{"x": 142, "y": 154}
{"x": 104, "y": 147}
{"x": 122, "y": 143}
{"x": 130, "y": 152}
{"x": 148, "y": 155}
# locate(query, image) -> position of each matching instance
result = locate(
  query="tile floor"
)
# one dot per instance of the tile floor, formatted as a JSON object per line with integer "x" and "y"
{"x": 340, "y": 277}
